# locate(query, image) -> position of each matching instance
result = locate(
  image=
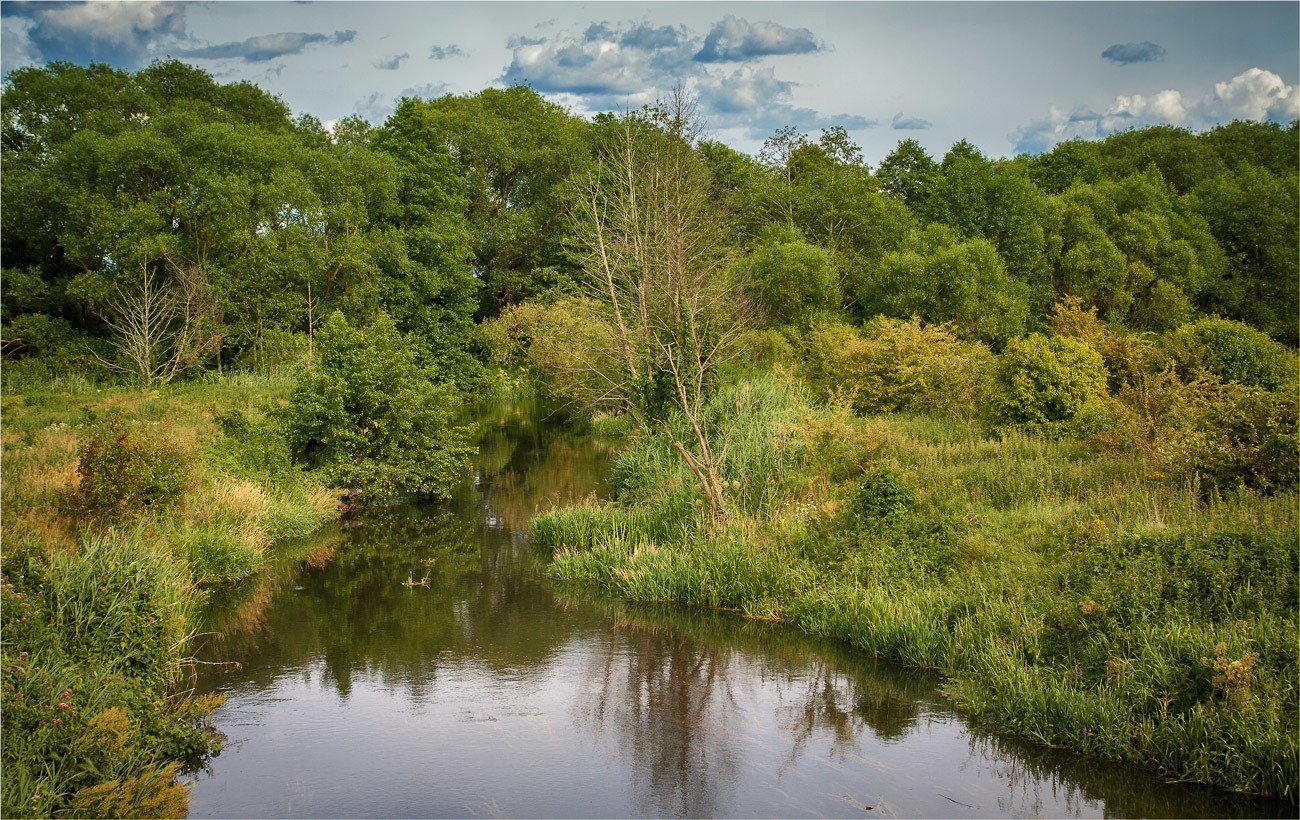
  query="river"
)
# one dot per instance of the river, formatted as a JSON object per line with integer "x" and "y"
{"x": 414, "y": 661}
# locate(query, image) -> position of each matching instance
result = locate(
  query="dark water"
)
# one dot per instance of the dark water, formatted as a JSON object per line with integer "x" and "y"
{"x": 484, "y": 689}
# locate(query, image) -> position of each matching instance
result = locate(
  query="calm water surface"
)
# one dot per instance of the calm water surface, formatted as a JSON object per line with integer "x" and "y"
{"x": 485, "y": 689}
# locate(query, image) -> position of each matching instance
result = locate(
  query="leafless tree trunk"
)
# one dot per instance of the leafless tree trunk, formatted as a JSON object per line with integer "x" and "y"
{"x": 654, "y": 253}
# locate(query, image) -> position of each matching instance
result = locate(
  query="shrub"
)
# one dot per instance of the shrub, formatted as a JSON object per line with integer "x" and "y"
{"x": 880, "y": 499}
{"x": 894, "y": 365}
{"x": 1230, "y": 435}
{"x": 124, "y": 474}
{"x": 1233, "y": 352}
{"x": 790, "y": 279}
{"x": 1040, "y": 383}
{"x": 369, "y": 418}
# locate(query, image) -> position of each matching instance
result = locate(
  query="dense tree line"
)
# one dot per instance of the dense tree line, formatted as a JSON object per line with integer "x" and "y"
{"x": 459, "y": 206}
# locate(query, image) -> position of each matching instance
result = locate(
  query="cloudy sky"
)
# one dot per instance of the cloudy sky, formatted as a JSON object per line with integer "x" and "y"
{"x": 1009, "y": 77}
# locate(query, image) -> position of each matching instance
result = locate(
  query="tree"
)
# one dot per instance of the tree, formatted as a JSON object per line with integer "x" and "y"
{"x": 791, "y": 279}
{"x": 907, "y": 173}
{"x": 653, "y": 254}
{"x": 162, "y": 328}
{"x": 369, "y": 418}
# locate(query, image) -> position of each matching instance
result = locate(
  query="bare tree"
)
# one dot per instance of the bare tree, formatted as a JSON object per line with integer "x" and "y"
{"x": 163, "y": 328}
{"x": 654, "y": 253}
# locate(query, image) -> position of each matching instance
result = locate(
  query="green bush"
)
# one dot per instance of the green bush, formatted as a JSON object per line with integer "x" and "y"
{"x": 893, "y": 365}
{"x": 790, "y": 279}
{"x": 124, "y": 473}
{"x": 1040, "y": 383}
{"x": 881, "y": 499}
{"x": 369, "y": 418}
{"x": 1230, "y": 436}
{"x": 1233, "y": 352}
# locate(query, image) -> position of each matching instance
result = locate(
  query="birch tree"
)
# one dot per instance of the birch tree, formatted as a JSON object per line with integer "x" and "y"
{"x": 654, "y": 258}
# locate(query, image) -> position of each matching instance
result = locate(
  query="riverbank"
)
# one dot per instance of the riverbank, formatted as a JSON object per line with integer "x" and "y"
{"x": 121, "y": 509}
{"x": 1083, "y": 601}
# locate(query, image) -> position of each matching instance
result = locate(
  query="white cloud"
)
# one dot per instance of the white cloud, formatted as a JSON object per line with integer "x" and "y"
{"x": 117, "y": 23}
{"x": 748, "y": 88}
{"x": 1255, "y": 94}
{"x": 16, "y": 46}
{"x": 736, "y": 39}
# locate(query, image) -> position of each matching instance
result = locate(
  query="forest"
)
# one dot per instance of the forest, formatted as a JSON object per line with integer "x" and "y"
{"x": 1028, "y": 421}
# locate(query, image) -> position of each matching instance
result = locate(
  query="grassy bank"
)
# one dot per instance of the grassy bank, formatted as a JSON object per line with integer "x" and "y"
{"x": 1086, "y": 602}
{"x": 120, "y": 510}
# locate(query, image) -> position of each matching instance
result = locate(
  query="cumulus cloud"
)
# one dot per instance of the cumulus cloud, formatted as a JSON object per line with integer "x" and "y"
{"x": 391, "y": 63}
{"x": 16, "y": 46}
{"x": 901, "y": 123}
{"x": 127, "y": 34}
{"x": 735, "y": 39}
{"x": 1255, "y": 94}
{"x": 1129, "y": 53}
{"x": 267, "y": 47}
{"x": 615, "y": 66}
{"x": 1258, "y": 95}
{"x": 445, "y": 52}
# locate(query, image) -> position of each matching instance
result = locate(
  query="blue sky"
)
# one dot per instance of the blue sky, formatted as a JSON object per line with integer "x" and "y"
{"x": 1007, "y": 76}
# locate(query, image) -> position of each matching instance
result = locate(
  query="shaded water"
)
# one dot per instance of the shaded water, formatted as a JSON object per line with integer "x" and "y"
{"x": 483, "y": 689}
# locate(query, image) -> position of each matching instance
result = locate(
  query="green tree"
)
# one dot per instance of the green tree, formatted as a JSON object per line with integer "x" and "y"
{"x": 791, "y": 279}
{"x": 907, "y": 173}
{"x": 940, "y": 278}
{"x": 368, "y": 417}
{"x": 1252, "y": 213}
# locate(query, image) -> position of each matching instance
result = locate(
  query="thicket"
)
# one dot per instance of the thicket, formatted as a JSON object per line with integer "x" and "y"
{"x": 368, "y": 418}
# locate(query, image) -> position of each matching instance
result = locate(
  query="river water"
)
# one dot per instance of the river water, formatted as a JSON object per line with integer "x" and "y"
{"x": 415, "y": 662}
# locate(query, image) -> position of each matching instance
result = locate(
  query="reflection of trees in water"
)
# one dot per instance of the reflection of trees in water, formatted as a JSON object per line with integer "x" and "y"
{"x": 673, "y": 699}
{"x": 343, "y": 599}
{"x": 668, "y": 698}
{"x": 1032, "y": 772}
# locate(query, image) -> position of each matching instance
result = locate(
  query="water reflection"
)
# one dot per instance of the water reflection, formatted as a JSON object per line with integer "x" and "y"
{"x": 413, "y": 663}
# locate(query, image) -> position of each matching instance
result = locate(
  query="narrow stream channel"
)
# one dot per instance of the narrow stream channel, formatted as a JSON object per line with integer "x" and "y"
{"x": 414, "y": 662}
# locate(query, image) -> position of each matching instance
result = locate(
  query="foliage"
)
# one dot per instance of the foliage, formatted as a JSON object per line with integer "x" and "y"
{"x": 369, "y": 418}
{"x": 1233, "y": 352}
{"x": 89, "y": 670}
{"x": 880, "y": 499}
{"x": 1041, "y": 382}
{"x": 945, "y": 280}
{"x": 124, "y": 473}
{"x": 791, "y": 279}
{"x": 893, "y": 365}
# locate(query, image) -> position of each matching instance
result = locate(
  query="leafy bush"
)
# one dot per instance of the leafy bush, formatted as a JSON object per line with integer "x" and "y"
{"x": 791, "y": 279}
{"x": 894, "y": 365}
{"x": 1233, "y": 352}
{"x": 1040, "y": 383}
{"x": 881, "y": 498}
{"x": 123, "y": 473}
{"x": 1230, "y": 436}
{"x": 369, "y": 418}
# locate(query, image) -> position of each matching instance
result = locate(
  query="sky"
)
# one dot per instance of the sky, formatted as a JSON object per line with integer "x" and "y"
{"x": 1009, "y": 77}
